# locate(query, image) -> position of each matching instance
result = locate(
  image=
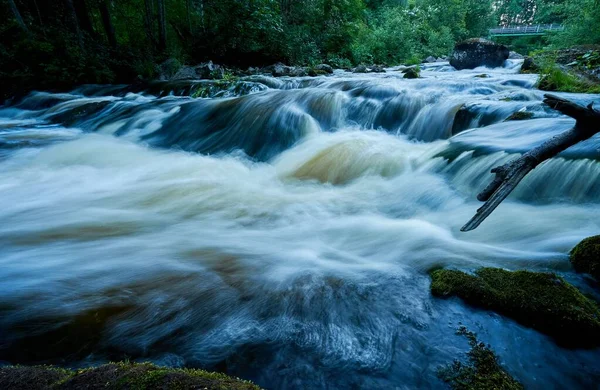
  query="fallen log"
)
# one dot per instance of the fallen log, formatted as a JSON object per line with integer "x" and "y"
{"x": 509, "y": 175}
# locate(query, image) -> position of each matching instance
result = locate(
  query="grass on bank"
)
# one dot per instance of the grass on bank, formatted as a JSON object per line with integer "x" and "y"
{"x": 117, "y": 376}
{"x": 567, "y": 70}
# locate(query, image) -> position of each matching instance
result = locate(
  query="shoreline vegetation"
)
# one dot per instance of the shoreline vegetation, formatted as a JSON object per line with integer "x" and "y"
{"x": 116, "y": 376}
{"x": 60, "y": 45}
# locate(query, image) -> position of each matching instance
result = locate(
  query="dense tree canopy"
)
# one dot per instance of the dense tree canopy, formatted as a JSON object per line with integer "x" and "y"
{"x": 109, "y": 40}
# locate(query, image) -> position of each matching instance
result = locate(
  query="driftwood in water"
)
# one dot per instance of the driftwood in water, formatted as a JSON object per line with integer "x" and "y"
{"x": 509, "y": 175}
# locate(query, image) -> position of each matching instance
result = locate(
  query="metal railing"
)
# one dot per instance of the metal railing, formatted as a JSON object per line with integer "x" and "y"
{"x": 538, "y": 29}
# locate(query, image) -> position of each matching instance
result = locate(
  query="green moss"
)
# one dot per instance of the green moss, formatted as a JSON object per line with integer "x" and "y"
{"x": 542, "y": 301}
{"x": 125, "y": 375}
{"x": 482, "y": 372}
{"x": 585, "y": 257}
{"x": 519, "y": 116}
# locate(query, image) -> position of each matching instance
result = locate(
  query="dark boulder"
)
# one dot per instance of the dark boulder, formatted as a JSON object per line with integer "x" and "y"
{"x": 360, "y": 69}
{"x": 529, "y": 66}
{"x": 411, "y": 73}
{"x": 168, "y": 69}
{"x": 476, "y": 52}
{"x": 324, "y": 68}
{"x": 206, "y": 70}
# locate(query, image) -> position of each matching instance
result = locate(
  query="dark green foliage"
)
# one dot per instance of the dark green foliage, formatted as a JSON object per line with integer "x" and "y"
{"x": 483, "y": 370}
{"x": 543, "y": 301}
{"x": 115, "y": 376}
{"x": 585, "y": 257}
{"x": 59, "y": 44}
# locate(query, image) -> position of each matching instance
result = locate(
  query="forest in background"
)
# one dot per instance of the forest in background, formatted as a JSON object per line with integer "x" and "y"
{"x": 62, "y": 43}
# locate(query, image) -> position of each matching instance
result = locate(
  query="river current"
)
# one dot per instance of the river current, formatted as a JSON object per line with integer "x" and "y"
{"x": 281, "y": 230}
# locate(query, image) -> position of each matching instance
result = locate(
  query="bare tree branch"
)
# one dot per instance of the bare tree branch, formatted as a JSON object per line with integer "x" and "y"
{"x": 508, "y": 176}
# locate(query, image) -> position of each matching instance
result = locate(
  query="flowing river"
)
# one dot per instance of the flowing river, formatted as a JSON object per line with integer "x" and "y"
{"x": 282, "y": 229}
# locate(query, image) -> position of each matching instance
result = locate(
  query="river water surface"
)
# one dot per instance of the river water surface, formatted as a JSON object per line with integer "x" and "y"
{"x": 282, "y": 230}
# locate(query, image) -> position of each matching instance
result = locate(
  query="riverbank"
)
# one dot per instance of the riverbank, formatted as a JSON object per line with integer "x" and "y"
{"x": 575, "y": 69}
{"x": 117, "y": 376}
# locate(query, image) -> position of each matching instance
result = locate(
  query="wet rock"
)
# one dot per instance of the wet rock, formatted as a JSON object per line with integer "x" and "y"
{"x": 441, "y": 59}
{"x": 324, "y": 68}
{"x": 585, "y": 257}
{"x": 513, "y": 55}
{"x": 360, "y": 69}
{"x": 430, "y": 59}
{"x": 519, "y": 116}
{"x": 377, "y": 69}
{"x": 315, "y": 72}
{"x": 168, "y": 69}
{"x": 476, "y": 52}
{"x": 207, "y": 71}
{"x": 281, "y": 70}
{"x": 411, "y": 73}
{"x": 529, "y": 66}
{"x": 542, "y": 301}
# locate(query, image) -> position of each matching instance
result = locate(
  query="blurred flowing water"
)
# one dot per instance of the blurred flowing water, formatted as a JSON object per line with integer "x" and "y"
{"x": 282, "y": 230}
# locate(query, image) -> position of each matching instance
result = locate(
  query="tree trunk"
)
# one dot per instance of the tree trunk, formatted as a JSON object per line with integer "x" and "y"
{"x": 72, "y": 20}
{"x": 188, "y": 6}
{"x": 107, "y": 23}
{"x": 149, "y": 22}
{"x": 17, "y": 16}
{"x": 39, "y": 14}
{"x": 83, "y": 16}
{"x": 162, "y": 26}
{"x": 509, "y": 175}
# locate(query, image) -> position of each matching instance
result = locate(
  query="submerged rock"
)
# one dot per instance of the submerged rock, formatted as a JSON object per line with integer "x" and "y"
{"x": 519, "y": 116}
{"x": 476, "y": 52}
{"x": 543, "y": 301}
{"x": 117, "y": 376}
{"x": 585, "y": 257}
{"x": 483, "y": 371}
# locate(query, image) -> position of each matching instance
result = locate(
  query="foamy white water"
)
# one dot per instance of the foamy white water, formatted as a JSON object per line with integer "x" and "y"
{"x": 285, "y": 235}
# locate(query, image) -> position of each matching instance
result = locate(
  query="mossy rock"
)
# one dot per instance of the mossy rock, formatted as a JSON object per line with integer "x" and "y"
{"x": 483, "y": 370}
{"x": 117, "y": 376}
{"x": 412, "y": 73}
{"x": 585, "y": 257}
{"x": 519, "y": 116}
{"x": 542, "y": 301}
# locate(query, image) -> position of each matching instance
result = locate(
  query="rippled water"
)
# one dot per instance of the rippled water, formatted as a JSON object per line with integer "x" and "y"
{"x": 282, "y": 230}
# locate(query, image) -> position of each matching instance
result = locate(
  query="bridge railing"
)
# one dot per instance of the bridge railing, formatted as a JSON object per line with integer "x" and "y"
{"x": 526, "y": 30}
